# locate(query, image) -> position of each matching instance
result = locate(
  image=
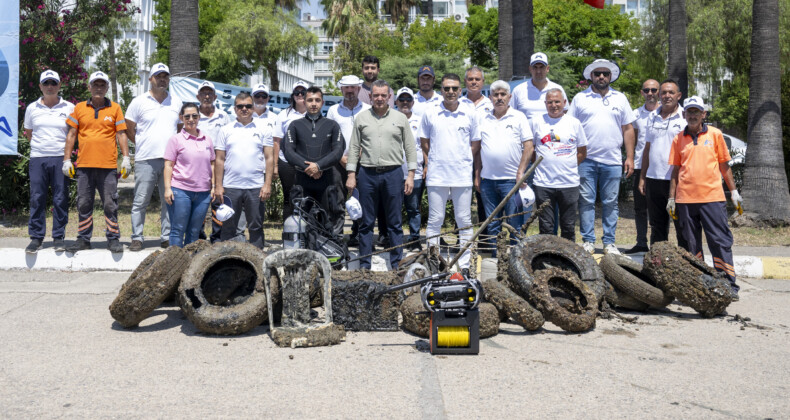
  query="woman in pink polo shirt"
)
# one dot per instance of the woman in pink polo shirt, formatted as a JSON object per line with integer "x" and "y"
{"x": 189, "y": 178}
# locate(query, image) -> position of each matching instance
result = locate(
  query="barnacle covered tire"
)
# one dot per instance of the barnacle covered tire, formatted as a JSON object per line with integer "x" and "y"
{"x": 417, "y": 320}
{"x": 151, "y": 282}
{"x": 512, "y": 305}
{"x": 577, "y": 319}
{"x": 627, "y": 277}
{"x": 687, "y": 278}
{"x": 618, "y": 299}
{"x": 196, "y": 247}
{"x": 539, "y": 252}
{"x": 222, "y": 290}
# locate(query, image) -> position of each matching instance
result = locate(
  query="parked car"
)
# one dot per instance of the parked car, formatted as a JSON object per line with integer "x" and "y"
{"x": 737, "y": 149}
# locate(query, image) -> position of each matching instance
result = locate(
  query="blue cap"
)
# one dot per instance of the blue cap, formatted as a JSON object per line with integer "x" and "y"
{"x": 426, "y": 70}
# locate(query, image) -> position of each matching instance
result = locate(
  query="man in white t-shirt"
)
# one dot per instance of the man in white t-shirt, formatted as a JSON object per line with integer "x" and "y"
{"x": 405, "y": 102}
{"x": 606, "y": 117}
{"x": 530, "y": 96}
{"x": 662, "y": 125}
{"x": 450, "y": 137}
{"x": 426, "y": 97}
{"x": 650, "y": 94}
{"x": 151, "y": 119}
{"x": 46, "y": 129}
{"x": 561, "y": 141}
{"x": 260, "y": 99}
{"x": 505, "y": 146}
{"x": 244, "y": 168}
{"x": 474, "y": 81}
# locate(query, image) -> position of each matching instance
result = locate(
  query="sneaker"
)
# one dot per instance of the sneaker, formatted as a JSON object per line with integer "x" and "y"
{"x": 34, "y": 246}
{"x": 79, "y": 245}
{"x": 114, "y": 246}
{"x": 136, "y": 246}
{"x": 164, "y": 244}
{"x": 611, "y": 249}
{"x": 637, "y": 248}
{"x": 59, "y": 245}
{"x": 589, "y": 247}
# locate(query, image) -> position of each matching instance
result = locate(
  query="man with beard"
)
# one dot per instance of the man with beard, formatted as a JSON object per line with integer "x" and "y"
{"x": 426, "y": 96}
{"x": 370, "y": 72}
{"x": 530, "y": 96}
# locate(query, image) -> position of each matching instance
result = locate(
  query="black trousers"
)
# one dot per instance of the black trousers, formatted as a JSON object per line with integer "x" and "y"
{"x": 712, "y": 217}
{"x": 106, "y": 182}
{"x": 640, "y": 210}
{"x": 656, "y": 196}
{"x": 247, "y": 200}
{"x": 327, "y": 191}
{"x": 567, "y": 199}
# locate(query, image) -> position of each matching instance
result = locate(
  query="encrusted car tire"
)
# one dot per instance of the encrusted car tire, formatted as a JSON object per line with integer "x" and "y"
{"x": 618, "y": 299}
{"x": 539, "y": 252}
{"x": 150, "y": 284}
{"x": 688, "y": 279}
{"x": 195, "y": 247}
{"x": 222, "y": 290}
{"x": 578, "y": 319}
{"x": 627, "y": 276}
{"x": 512, "y": 305}
{"x": 417, "y": 320}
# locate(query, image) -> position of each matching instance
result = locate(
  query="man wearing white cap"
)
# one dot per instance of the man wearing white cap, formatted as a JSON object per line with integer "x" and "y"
{"x": 700, "y": 159}
{"x": 530, "y": 96}
{"x": 46, "y": 129}
{"x": 99, "y": 123}
{"x": 606, "y": 117}
{"x": 405, "y": 103}
{"x": 260, "y": 97}
{"x": 151, "y": 120}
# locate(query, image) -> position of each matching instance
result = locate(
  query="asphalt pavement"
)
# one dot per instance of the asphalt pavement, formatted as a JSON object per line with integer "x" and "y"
{"x": 64, "y": 356}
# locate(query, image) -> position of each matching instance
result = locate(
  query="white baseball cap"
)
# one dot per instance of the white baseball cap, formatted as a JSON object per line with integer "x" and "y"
{"x": 693, "y": 102}
{"x": 539, "y": 57}
{"x": 98, "y": 75}
{"x": 405, "y": 90}
{"x": 527, "y": 196}
{"x": 354, "y": 209}
{"x": 49, "y": 75}
{"x": 159, "y": 68}
{"x": 602, "y": 63}
{"x": 207, "y": 84}
{"x": 224, "y": 212}
{"x": 349, "y": 80}
{"x": 300, "y": 84}
{"x": 260, "y": 87}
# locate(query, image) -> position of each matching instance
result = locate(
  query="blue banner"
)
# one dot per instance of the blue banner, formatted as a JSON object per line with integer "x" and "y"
{"x": 9, "y": 78}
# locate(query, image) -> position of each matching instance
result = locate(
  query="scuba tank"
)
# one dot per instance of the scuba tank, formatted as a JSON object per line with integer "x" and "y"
{"x": 294, "y": 232}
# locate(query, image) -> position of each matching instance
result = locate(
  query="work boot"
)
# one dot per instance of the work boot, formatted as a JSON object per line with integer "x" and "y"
{"x": 136, "y": 246}
{"x": 114, "y": 246}
{"x": 353, "y": 241}
{"x": 34, "y": 246}
{"x": 637, "y": 248}
{"x": 79, "y": 245}
{"x": 59, "y": 245}
{"x": 164, "y": 244}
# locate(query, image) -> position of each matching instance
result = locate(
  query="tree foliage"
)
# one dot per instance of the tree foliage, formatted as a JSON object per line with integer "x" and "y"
{"x": 446, "y": 37}
{"x": 126, "y": 62}
{"x": 340, "y": 13}
{"x": 483, "y": 32}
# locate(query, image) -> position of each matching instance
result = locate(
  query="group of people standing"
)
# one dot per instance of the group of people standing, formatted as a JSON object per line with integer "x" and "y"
{"x": 386, "y": 148}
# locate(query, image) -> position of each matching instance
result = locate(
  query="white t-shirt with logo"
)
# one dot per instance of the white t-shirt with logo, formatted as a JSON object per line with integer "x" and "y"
{"x": 502, "y": 143}
{"x": 269, "y": 118}
{"x": 156, "y": 124}
{"x": 344, "y": 117}
{"x": 284, "y": 119}
{"x": 640, "y": 122}
{"x": 602, "y": 119}
{"x": 530, "y": 100}
{"x": 421, "y": 105}
{"x": 660, "y": 133}
{"x": 557, "y": 140}
{"x": 243, "y": 145}
{"x": 485, "y": 105}
{"x": 49, "y": 127}
{"x": 450, "y": 135}
{"x": 414, "y": 124}
{"x": 211, "y": 126}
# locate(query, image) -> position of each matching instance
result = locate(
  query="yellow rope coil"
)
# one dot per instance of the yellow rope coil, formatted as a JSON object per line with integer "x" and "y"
{"x": 457, "y": 336}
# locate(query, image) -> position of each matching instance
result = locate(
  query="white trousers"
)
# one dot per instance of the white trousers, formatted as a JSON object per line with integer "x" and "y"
{"x": 462, "y": 204}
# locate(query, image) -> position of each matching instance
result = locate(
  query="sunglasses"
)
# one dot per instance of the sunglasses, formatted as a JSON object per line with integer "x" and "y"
{"x": 405, "y": 99}
{"x": 602, "y": 73}
{"x": 244, "y": 106}
{"x": 261, "y": 96}
{"x": 650, "y": 90}
{"x": 451, "y": 88}
{"x": 191, "y": 117}
{"x": 300, "y": 92}
{"x": 50, "y": 83}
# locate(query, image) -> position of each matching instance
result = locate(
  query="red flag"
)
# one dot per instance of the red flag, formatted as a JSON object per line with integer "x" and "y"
{"x": 545, "y": 139}
{"x": 595, "y": 3}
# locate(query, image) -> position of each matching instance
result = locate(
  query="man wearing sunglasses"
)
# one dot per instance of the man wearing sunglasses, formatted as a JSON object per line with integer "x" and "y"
{"x": 412, "y": 202}
{"x": 244, "y": 168}
{"x": 260, "y": 98}
{"x": 607, "y": 118}
{"x": 46, "y": 129}
{"x": 151, "y": 120}
{"x": 650, "y": 94}
{"x": 450, "y": 137}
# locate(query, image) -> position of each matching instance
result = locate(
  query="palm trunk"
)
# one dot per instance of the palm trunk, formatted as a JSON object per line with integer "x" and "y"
{"x": 505, "y": 39}
{"x": 113, "y": 67}
{"x": 523, "y": 36}
{"x": 184, "y": 42}
{"x": 678, "y": 66}
{"x": 765, "y": 189}
{"x": 430, "y": 9}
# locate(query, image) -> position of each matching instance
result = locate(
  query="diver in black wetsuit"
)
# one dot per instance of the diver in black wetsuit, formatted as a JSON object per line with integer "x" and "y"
{"x": 314, "y": 145}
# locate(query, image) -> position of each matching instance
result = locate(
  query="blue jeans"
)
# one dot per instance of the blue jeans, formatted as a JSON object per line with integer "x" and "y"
{"x": 375, "y": 188}
{"x": 598, "y": 181}
{"x": 412, "y": 203}
{"x": 186, "y": 215}
{"x": 493, "y": 191}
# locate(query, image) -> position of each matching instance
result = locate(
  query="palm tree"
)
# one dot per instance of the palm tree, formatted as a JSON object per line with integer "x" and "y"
{"x": 765, "y": 181}
{"x": 505, "y": 39}
{"x": 340, "y": 12}
{"x": 523, "y": 36}
{"x": 676, "y": 27}
{"x": 399, "y": 9}
{"x": 184, "y": 40}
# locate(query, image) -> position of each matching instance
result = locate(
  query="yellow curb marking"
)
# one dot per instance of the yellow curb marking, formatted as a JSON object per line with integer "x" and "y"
{"x": 776, "y": 267}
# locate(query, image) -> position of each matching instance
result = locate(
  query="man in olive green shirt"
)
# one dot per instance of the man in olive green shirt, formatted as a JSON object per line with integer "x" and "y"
{"x": 380, "y": 138}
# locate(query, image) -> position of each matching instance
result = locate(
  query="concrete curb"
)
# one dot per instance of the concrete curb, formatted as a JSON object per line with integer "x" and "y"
{"x": 745, "y": 266}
